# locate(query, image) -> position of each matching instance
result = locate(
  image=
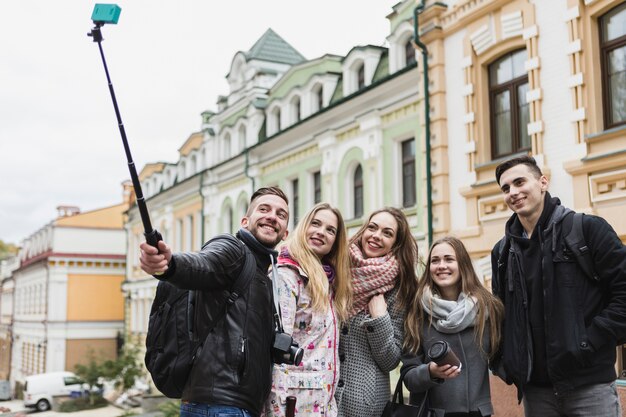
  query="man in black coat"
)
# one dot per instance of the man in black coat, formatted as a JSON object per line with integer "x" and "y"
{"x": 561, "y": 326}
{"x": 232, "y": 372}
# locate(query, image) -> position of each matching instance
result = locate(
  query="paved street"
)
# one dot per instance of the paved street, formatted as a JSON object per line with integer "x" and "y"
{"x": 17, "y": 406}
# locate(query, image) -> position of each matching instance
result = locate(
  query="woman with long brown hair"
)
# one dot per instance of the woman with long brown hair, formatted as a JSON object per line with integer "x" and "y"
{"x": 452, "y": 306}
{"x": 383, "y": 257}
{"x": 313, "y": 283}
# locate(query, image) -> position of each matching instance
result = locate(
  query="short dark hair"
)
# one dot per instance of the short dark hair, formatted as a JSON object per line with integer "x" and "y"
{"x": 527, "y": 160}
{"x": 265, "y": 191}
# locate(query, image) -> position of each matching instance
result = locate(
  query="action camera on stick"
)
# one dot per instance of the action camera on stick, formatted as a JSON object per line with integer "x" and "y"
{"x": 110, "y": 13}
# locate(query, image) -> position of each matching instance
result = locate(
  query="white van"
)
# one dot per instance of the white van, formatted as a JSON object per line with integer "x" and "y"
{"x": 40, "y": 389}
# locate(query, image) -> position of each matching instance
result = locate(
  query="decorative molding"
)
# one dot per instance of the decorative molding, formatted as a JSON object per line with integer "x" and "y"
{"x": 535, "y": 127}
{"x": 530, "y": 32}
{"x": 229, "y": 185}
{"x": 578, "y": 115}
{"x": 467, "y": 90}
{"x": 531, "y": 64}
{"x": 512, "y": 24}
{"x": 350, "y": 133}
{"x": 290, "y": 160}
{"x": 571, "y": 14}
{"x": 575, "y": 80}
{"x": 608, "y": 186}
{"x": 492, "y": 208}
{"x": 588, "y": 2}
{"x": 466, "y": 62}
{"x": 401, "y": 113}
{"x": 482, "y": 39}
{"x": 574, "y": 46}
{"x": 469, "y": 147}
{"x": 534, "y": 95}
{"x": 469, "y": 118}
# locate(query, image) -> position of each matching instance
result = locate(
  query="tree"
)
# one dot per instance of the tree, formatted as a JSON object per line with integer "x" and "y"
{"x": 91, "y": 374}
{"x": 123, "y": 371}
{"x": 7, "y": 249}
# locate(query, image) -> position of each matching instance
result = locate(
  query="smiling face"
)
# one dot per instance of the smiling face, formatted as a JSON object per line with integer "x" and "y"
{"x": 268, "y": 220}
{"x": 523, "y": 191}
{"x": 444, "y": 270}
{"x": 379, "y": 235}
{"x": 322, "y": 232}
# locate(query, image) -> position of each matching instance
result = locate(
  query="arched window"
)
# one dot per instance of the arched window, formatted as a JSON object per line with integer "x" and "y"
{"x": 295, "y": 109}
{"x": 242, "y": 138}
{"x": 319, "y": 96}
{"x": 358, "y": 192}
{"x": 226, "y": 149}
{"x": 227, "y": 225}
{"x": 276, "y": 119}
{"x": 508, "y": 85}
{"x": 409, "y": 53}
{"x": 360, "y": 76}
{"x": 613, "y": 60}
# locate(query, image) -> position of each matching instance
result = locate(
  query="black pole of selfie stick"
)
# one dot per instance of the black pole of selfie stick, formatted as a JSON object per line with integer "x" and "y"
{"x": 152, "y": 235}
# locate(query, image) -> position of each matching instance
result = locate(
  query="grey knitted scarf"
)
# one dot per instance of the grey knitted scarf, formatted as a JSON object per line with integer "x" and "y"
{"x": 449, "y": 316}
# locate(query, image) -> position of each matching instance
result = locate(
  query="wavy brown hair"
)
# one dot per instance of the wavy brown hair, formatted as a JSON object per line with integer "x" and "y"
{"x": 338, "y": 257}
{"x": 490, "y": 308}
{"x": 404, "y": 250}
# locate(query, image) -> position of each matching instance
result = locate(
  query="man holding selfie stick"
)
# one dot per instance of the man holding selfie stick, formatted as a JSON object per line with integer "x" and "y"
{"x": 232, "y": 372}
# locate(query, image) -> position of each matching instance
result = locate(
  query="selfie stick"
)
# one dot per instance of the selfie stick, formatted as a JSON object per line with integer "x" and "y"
{"x": 110, "y": 13}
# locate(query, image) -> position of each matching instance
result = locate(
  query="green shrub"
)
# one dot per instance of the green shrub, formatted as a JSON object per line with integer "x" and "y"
{"x": 170, "y": 408}
{"x": 82, "y": 403}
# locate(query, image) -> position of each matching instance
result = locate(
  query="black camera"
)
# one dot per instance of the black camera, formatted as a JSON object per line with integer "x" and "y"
{"x": 285, "y": 350}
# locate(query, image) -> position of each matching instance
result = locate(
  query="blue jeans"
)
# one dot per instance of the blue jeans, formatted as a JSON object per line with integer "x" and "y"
{"x": 597, "y": 400}
{"x": 208, "y": 410}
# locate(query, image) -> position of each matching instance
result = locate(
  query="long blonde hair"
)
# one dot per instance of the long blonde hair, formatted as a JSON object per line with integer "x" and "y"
{"x": 338, "y": 258}
{"x": 490, "y": 308}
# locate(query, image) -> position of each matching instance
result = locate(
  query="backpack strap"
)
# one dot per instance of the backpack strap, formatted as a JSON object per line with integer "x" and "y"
{"x": 575, "y": 242}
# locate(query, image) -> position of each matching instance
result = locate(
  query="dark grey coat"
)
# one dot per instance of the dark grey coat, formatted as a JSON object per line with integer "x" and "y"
{"x": 368, "y": 350}
{"x": 467, "y": 392}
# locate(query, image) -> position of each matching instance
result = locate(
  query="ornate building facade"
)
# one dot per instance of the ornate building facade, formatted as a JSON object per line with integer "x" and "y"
{"x": 505, "y": 77}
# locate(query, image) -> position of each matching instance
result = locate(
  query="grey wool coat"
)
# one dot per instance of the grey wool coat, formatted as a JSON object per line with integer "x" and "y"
{"x": 467, "y": 392}
{"x": 369, "y": 348}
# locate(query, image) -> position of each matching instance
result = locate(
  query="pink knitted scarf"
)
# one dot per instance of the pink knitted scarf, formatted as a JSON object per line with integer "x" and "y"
{"x": 370, "y": 276}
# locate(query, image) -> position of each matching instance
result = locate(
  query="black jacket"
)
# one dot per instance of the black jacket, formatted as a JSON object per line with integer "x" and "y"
{"x": 234, "y": 367}
{"x": 583, "y": 318}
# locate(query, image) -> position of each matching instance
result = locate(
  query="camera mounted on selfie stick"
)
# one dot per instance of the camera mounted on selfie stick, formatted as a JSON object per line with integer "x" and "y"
{"x": 110, "y": 13}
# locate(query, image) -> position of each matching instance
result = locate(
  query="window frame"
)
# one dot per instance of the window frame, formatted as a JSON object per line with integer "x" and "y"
{"x": 511, "y": 86}
{"x": 358, "y": 190}
{"x": 404, "y": 161}
{"x": 606, "y": 47}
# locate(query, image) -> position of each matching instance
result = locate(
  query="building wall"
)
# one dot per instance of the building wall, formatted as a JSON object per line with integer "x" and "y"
{"x": 94, "y": 297}
{"x": 79, "y": 351}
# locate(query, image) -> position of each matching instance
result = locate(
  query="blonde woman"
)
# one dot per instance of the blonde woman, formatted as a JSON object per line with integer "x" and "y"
{"x": 451, "y": 305}
{"x": 314, "y": 297}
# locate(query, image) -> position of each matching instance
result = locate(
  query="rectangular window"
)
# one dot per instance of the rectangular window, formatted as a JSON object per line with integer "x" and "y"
{"x": 613, "y": 61}
{"x": 510, "y": 114}
{"x": 317, "y": 187}
{"x": 409, "y": 185}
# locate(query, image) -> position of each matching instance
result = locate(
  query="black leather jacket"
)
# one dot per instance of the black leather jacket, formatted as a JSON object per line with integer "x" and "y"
{"x": 583, "y": 318}
{"x": 234, "y": 366}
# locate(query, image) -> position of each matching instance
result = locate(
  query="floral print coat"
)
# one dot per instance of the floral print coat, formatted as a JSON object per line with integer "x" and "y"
{"x": 313, "y": 382}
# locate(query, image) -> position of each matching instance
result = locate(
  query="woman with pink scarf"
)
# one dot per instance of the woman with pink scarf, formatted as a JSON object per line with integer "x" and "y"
{"x": 383, "y": 255}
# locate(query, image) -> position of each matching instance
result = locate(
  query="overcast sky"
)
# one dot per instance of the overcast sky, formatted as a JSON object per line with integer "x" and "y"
{"x": 59, "y": 141}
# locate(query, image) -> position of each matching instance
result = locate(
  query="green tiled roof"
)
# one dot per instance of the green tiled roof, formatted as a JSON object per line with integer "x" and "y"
{"x": 271, "y": 47}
